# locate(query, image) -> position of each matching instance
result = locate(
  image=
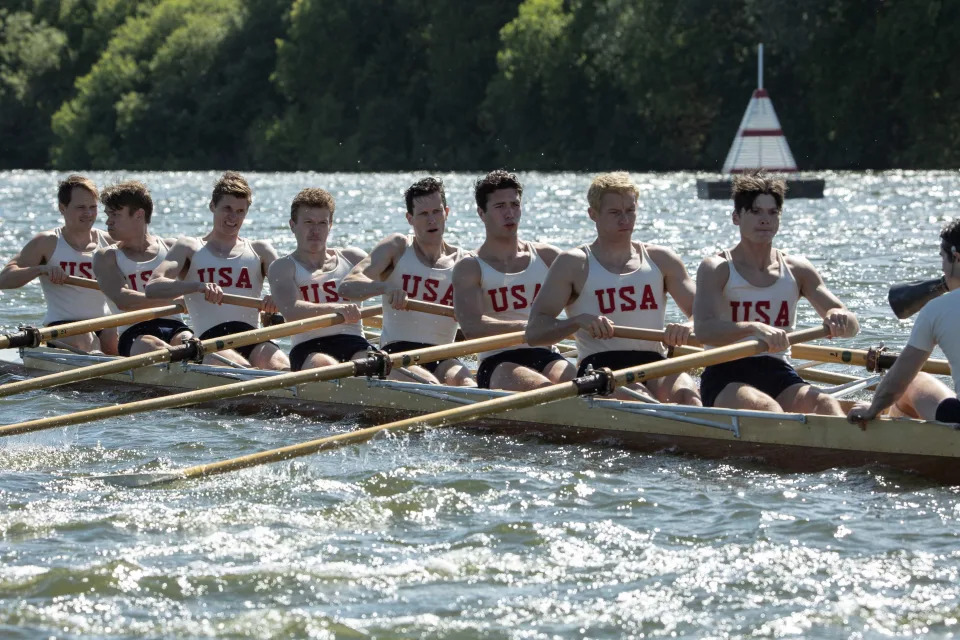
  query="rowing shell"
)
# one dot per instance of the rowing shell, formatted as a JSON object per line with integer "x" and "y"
{"x": 795, "y": 442}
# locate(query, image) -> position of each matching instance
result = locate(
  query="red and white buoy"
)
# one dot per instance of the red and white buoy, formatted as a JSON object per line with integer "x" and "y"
{"x": 760, "y": 144}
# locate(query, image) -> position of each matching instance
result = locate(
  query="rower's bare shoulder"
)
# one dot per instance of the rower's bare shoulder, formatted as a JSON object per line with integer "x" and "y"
{"x": 281, "y": 268}
{"x": 264, "y": 249}
{"x": 715, "y": 262}
{"x": 662, "y": 255}
{"x": 547, "y": 252}
{"x": 467, "y": 270}
{"x": 353, "y": 254}
{"x": 574, "y": 259}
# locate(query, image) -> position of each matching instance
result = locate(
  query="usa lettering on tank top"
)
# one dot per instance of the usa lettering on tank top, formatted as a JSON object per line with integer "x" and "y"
{"x": 509, "y": 296}
{"x": 321, "y": 287}
{"x": 136, "y": 274}
{"x": 420, "y": 282}
{"x": 239, "y": 274}
{"x": 634, "y": 299}
{"x": 775, "y": 305}
{"x": 66, "y": 302}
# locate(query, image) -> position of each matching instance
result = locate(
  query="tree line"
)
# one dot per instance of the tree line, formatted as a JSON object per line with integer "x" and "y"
{"x": 370, "y": 85}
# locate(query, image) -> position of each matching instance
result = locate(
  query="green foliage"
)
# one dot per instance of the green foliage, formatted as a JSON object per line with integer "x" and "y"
{"x": 532, "y": 84}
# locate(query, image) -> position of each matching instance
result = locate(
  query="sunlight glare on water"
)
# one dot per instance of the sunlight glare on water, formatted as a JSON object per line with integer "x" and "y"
{"x": 460, "y": 533}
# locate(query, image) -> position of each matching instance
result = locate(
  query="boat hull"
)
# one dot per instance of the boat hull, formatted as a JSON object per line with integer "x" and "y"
{"x": 793, "y": 442}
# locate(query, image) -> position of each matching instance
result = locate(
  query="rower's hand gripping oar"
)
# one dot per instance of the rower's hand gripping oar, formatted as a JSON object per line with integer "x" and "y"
{"x": 907, "y": 298}
{"x": 599, "y": 382}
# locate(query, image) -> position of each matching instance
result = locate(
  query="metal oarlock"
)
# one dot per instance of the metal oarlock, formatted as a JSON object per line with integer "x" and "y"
{"x": 596, "y": 382}
{"x": 377, "y": 363}
{"x": 29, "y": 336}
{"x": 189, "y": 351}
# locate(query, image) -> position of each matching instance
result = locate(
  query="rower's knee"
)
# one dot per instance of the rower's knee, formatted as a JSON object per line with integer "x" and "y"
{"x": 922, "y": 397}
{"x": 146, "y": 344}
{"x": 737, "y": 395}
{"x": 825, "y": 405}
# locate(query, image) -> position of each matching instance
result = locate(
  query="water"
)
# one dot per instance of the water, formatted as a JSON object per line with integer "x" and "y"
{"x": 455, "y": 534}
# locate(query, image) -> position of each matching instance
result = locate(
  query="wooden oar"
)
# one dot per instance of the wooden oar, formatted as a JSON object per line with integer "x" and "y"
{"x": 873, "y": 361}
{"x": 228, "y": 298}
{"x": 597, "y": 382}
{"x": 371, "y": 365}
{"x": 33, "y": 337}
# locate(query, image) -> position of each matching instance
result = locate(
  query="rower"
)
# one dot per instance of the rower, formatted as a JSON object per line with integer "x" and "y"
{"x": 751, "y": 291}
{"x": 911, "y": 392}
{"x": 67, "y": 251}
{"x": 305, "y": 285}
{"x": 204, "y": 269}
{"x": 418, "y": 266}
{"x": 123, "y": 270}
{"x": 493, "y": 290}
{"x": 616, "y": 280}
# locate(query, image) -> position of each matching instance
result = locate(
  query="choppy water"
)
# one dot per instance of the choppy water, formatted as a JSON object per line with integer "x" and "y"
{"x": 453, "y": 534}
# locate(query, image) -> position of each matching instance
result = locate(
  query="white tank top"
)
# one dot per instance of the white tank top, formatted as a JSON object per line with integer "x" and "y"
{"x": 136, "y": 274}
{"x": 509, "y": 296}
{"x": 425, "y": 283}
{"x": 635, "y": 299}
{"x": 775, "y": 305}
{"x": 320, "y": 287}
{"x": 67, "y": 302}
{"x": 240, "y": 275}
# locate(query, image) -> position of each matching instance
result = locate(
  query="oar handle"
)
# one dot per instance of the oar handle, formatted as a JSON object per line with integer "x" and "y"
{"x": 653, "y": 335}
{"x": 228, "y": 298}
{"x": 429, "y": 307}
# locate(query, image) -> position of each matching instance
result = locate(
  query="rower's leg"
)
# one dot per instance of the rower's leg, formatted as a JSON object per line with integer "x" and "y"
{"x": 804, "y": 398}
{"x": 315, "y": 360}
{"x": 422, "y": 375}
{"x": 109, "y": 341}
{"x": 454, "y": 373}
{"x": 181, "y": 338}
{"x": 225, "y": 354}
{"x": 267, "y": 355}
{"x": 146, "y": 344}
{"x": 921, "y": 398}
{"x": 738, "y": 395}
{"x": 560, "y": 371}
{"x": 514, "y": 377}
{"x": 679, "y": 388}
{"x": 84, "y": 342}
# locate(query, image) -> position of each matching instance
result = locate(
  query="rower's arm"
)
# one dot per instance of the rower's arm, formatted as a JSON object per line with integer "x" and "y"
{"x": 560, "y": 287}
{"x": 468, "y": 304}
{"x": 676, "y": 280}
{"x": 288, "y": 297}
{"x": 268, "y": 255}
{"x": 837, "y": 318}
{"x": 711, "y": 310}
{"x": 113, "y": 284}
{"x": 29, "y": 263}
{"x": 166, "y": 283}
{"x": 367, "y": 278}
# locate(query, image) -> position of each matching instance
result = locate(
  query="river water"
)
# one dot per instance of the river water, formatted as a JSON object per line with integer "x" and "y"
{"x": 454, "y": 534}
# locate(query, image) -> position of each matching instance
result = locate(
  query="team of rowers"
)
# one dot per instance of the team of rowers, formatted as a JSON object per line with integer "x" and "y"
{"x": 507, "y": 284}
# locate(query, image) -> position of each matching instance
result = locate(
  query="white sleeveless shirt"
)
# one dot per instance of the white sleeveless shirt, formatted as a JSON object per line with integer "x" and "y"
{"x": 635, "y": 299}
{"x": 775, "y": 305}
{"x": 239, "y": 275}
{"x": 420, "y": 282}
{"x": 509, "y": 296}
{"x": 67, "y": 302}
{"x": 320, "y": 287}
{"x": 136, "y": 274}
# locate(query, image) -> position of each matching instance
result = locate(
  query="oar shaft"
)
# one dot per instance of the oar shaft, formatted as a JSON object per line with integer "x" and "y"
{"x": 247, "y": 387}
{"x": 457, "y": 415}
{"x": 228, "y": 298}
{"x": 861, "y": 357}
{"x": 653, "y": 335}
{"x": 94, "y": 324}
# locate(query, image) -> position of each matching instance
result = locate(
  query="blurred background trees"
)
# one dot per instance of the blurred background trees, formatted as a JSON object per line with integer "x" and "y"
{"x": 411, "y": 84}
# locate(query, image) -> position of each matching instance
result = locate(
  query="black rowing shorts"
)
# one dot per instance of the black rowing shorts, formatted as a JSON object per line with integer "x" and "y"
{"x": 617, "y": 360}
{"x": 406, "y": 345}
{"x": 765, "y": 373}
{"x": 536, "y": 358}
{"x": 164, "y": 328}
{"x": 229, "y": 328}
{"x": 340, "y": 347}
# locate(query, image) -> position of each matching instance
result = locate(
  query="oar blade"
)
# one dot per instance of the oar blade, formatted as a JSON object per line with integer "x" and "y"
{"x": 137, "y": 480}
{"x": 907, "y": 298}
